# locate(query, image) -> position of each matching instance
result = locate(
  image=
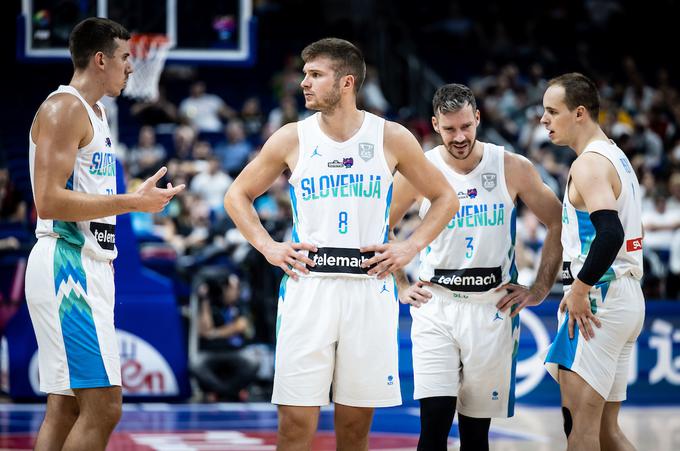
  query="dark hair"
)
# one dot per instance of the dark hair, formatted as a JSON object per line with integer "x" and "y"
{"x": 579, "y": 90}
{"x": 452, "y": 97}
{"x": 92, "y": 35}
{"x": 346, "y": 56}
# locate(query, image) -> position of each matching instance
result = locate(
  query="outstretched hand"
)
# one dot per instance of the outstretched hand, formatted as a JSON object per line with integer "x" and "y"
{"x": 287, "y": 256}
{"x": 153, "y": 199}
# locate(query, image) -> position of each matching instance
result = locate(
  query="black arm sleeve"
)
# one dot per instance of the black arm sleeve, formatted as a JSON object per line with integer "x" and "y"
{"x": 609, "y": 237}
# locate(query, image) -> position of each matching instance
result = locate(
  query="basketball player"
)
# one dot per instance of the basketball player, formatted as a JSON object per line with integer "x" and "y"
{"x": 602, "y": 240}
{"x": 69, "y": 278}
{"x": 338, "y": 310}
{"x": 465, "y": 324}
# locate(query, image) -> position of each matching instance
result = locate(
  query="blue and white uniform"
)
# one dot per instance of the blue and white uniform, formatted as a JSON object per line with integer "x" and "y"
{"x": 462, "y": 345}
{"x": 69, "y": 278}
{"x": 338, "y": 326}
{"x": 616, "y": 299}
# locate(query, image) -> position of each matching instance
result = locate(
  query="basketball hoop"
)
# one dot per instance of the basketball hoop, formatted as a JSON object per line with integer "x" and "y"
{"x": 148, "y": 53}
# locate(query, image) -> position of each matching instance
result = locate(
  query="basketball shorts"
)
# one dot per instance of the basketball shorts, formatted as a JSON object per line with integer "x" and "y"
{"x": 464, "y": 346}
{"x": 337, "y": 334}
{"x": 603, "y": 360}
{"x": 70, "y": 299}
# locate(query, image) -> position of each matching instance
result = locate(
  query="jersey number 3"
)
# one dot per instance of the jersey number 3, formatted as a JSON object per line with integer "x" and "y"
{"x": 469, "y": 248}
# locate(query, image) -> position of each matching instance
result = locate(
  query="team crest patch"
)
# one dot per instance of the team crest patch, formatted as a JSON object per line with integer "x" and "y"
{"x": 366, "y": 151}
{"x": 489, "y": 181}
{"x": 472, "y": 193}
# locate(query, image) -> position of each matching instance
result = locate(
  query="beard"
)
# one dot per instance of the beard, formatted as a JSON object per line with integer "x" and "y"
{"x": 329, "y": 102}
{"x": 453, "y": 151}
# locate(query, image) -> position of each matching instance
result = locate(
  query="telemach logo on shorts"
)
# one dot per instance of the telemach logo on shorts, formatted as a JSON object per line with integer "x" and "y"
{"x": 339, "y": 260}
{"x": 470, "y": 279}
{"x": 105, "y": 234}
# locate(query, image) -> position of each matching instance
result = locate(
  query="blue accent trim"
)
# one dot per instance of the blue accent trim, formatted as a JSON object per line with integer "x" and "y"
{"x": 69, "y": 182}
{"x": 563, "y": 350}
{"x": 388, "y": 204}
{"x": 586, "y": 231}
{"x": 293, "y": 204}
{"x": 604, "y": 288}
{"x": 514, "y": 273}
{"x": 513, "y": 371}
{"x": 85, "y": 364}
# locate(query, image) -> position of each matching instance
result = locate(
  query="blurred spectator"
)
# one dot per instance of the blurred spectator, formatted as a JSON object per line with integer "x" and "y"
{"x": 284, "y": 113}
{"x": 12, "y": 206}
{"x": 204, "y": 111}
{"x": 253, "y": 119}
{"x": 183, "y": 138}
{"x": 154, "y": 112}
{"x": 235, "y": 151}
{"x": 371, "y": 95}
{"x": 147, "y": 155}
{"x": 660, "y": 224}
{"x": 223, "y": 370}
{"x": 211, "y": 185}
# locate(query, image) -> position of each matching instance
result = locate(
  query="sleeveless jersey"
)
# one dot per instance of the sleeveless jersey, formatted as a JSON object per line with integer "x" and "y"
{"x": 340, "y": 195}
{"x": 94, "y": 172}
{"x": 578, "y": 231}
{"x": 475, "y": 252}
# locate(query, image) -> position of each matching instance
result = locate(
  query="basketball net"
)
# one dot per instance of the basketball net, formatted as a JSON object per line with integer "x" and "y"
{"x": 148, "y": 53}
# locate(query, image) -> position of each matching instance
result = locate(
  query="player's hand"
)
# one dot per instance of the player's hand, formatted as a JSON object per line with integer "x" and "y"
{"x": 388, "y": 257}
{"x": 415, "y": 294}
{"x": 577, "y": 303}
{"x": 287, "y": 256}
{"x": 153, "y": 199}
{"x": 518, "y": 295}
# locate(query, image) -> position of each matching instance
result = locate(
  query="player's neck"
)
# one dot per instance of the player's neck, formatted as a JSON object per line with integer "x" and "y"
{"x": 469, "y": 164}
{"x": 88, "y": 88}
{"x": 341, "y": 124}
{"x": 592, "y": 132}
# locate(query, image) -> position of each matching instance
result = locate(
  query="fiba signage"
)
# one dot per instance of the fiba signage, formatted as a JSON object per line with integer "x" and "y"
{"x": 144, "y": 371}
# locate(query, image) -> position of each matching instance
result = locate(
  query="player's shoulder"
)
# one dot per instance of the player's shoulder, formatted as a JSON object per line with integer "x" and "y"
{"x": 395, "y": 130}
{"x": 62, "y": 108}
{"x": 284, "y": 138}
{"x": 516, "y": 162}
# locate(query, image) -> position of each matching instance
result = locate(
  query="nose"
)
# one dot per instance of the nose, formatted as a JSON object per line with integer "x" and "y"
{"x": 459, "y": 137}
{"x": 544, "y": 119}
{"x": 305, "y": 82}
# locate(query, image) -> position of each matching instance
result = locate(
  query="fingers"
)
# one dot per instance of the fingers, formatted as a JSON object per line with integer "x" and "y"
{"x": 519, "y": 308}
{"x": 305, "y": 246}
{"x": 563, "y": 306}
{"x": 571, "y": 327}
{"x": 292, "y": 274}
{"x": 377, "y": 258}
{"x": 297, "y": 264}
{"x": 508, "y": 300}
{"x": 157, "y": 176}
{"x": 374, "y": 248}
{"x": 585, "y": 327}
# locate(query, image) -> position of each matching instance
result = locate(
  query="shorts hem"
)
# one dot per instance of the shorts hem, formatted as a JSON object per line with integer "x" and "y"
{"x": 554, "y": 367}
{"x": 482, "y": 414}
{"x": 421, "y": 395}
{"x": 299, "y": 403}
{"x": 392, "y": 402}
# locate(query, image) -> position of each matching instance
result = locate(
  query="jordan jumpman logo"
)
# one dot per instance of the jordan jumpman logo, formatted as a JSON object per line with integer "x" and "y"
{"x": 316, "y": 152}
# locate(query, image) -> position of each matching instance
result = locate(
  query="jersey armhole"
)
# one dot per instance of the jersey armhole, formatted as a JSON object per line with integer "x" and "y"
{"x": 295, "y": 173}
{"x": 383, "y": 157}
{"x": 504, "y": 182}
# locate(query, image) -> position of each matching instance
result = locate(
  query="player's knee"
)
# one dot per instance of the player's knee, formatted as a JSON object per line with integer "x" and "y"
{"x": 294, "y": 423}
{"x": 568, "y": 422}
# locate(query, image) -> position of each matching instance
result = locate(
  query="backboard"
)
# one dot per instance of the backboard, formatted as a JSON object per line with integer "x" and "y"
{"x": 211, "y": 32}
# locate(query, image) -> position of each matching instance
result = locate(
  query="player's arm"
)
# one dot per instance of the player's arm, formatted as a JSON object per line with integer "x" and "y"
{"x": 544, "y": 204}
{"x": 404, "y": 195}
{"x": 62, "y": 125}
{"x": 251, "y": 183}
{"x": 428, "y": 181}
{"x": 593, "y": 177}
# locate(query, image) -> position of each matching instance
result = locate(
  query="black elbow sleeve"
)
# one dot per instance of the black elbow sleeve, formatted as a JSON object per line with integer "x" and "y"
{"x": 609, "y": 236}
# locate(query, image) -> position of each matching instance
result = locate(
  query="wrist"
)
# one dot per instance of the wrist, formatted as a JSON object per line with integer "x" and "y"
{"x": 579, "y": 287}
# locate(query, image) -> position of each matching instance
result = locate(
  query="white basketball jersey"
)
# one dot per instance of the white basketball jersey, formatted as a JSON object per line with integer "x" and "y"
{"x": 340, "y": 194}
{"x": 578, "y": 231}
{"x": 94, "y": 172}
{"x": 475, "y": 252}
